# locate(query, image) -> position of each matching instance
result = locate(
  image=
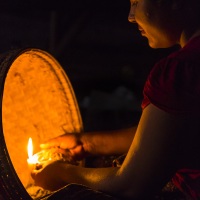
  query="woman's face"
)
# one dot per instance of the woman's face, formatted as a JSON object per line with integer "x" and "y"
{"x": 156, "y": 22}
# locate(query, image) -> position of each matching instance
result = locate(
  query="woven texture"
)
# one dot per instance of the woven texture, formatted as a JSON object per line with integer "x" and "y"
{"x": 38, "y": 102}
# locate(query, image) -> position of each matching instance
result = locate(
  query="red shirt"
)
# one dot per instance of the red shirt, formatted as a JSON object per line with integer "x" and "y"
{"x": 173, "y": 85}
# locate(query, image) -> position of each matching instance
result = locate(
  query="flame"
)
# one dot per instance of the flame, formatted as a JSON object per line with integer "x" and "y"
{"x": 32, "y": 159}
{"x": 30, "y": 148}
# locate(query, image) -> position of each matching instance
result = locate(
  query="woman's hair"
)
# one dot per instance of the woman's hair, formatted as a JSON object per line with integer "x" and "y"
{"x": 189, "y": 9}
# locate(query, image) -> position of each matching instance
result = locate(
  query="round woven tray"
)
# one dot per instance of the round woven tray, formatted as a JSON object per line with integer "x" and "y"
{"x": 38, "y": 101}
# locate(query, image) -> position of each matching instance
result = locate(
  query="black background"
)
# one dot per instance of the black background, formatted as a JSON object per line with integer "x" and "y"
{"x": 95, "y": 44}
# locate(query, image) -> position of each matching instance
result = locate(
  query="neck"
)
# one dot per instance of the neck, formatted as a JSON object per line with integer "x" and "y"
{"x": 185, "y": 38}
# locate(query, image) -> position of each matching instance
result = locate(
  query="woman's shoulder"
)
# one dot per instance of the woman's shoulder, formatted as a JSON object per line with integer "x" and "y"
{"x": 190, "y": 53}
{"x": 184, "y": 62}
{"x": 174, "y": 82}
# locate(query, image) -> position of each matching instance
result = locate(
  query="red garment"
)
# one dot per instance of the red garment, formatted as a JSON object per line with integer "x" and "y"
{"x": 188, "y": 181}
{"x": 173, "y": 85}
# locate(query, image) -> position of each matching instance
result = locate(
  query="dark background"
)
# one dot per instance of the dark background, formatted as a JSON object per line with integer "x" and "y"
{"x": 104, "y": 56}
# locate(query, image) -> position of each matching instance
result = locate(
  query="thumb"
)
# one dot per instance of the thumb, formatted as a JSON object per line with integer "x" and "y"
{"x": 34, "y": 173}
{"x": 49, "y": 144}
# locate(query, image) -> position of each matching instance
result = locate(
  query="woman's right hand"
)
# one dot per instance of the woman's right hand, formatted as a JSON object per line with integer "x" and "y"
{"x": 68, "y": 144}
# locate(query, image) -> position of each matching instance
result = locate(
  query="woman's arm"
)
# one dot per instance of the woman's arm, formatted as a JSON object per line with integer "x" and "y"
{"x": 114, "y": 142}
{"x": 153, "y": 158}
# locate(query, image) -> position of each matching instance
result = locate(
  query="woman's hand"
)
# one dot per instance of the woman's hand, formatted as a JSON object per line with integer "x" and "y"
{"x": 68, "y": 144}
{"x": 49, "y": 177}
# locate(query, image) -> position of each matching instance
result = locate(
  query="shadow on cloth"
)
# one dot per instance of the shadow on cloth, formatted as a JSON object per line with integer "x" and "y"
{"x": 78, "y": 192}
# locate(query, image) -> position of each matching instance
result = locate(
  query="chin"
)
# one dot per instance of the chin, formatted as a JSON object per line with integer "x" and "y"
{"x": 160, "y": 45}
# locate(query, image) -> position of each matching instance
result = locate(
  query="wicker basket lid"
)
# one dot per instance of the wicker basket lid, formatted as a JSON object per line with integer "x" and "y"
{"x": 38, "y": 101}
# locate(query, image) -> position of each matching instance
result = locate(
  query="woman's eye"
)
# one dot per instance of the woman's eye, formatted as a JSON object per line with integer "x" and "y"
{"x": 134, "y": 3}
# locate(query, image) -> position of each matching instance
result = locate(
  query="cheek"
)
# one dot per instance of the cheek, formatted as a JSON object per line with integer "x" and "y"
{"x": 143, "y": 15}
{"x": 159, "y": 39}
{"x": 142, "y": 18}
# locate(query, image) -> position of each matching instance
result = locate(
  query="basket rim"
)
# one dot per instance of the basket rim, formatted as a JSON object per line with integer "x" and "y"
{"x": 10, "y": 183}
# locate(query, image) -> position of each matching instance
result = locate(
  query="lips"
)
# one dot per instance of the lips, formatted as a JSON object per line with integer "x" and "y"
{"x": 141, "y": 30}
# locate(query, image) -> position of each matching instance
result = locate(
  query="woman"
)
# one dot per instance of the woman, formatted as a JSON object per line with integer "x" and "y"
{"x": 166, "y": 143}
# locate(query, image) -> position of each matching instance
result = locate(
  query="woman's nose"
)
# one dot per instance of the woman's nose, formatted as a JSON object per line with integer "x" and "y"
{"x": 131, "y": 16}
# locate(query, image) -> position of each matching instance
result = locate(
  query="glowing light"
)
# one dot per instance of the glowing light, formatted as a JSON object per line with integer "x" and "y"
{"x": 32, "y": 159}
{"x": 30, "y": 148}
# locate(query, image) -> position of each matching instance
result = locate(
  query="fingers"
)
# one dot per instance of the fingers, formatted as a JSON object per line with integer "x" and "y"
{"x": 65, "y": 142}
{"x": 68, "y": 145}
{"x": 45, "y": 146}
{"x": 77, "y": 150}
{"x": 35, "y": 172}
{"x": 51, "y": 143}
{"x": 40, "y": 167}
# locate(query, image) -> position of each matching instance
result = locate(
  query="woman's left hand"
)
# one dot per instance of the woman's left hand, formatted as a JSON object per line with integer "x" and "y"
{"x": 49, "y": 177}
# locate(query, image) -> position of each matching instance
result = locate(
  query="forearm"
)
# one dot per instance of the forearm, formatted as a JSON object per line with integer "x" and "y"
{"x": 114, "y": 142}
{"x": 109, "y": 180}
{"x": 101, "y": 179}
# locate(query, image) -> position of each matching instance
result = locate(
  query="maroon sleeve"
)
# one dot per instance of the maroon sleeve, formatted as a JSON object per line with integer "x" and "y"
{"x": 173, "y": 86}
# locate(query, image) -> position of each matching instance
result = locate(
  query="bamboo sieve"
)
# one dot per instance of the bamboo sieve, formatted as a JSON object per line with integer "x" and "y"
{"x": 38, "y": 101}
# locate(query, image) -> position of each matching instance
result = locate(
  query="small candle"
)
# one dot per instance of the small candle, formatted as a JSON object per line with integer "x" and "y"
{"x": 32, "y": 159}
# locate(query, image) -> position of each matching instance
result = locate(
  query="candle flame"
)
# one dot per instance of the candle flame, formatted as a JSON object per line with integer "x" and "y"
{"x": 30, "y": 148}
